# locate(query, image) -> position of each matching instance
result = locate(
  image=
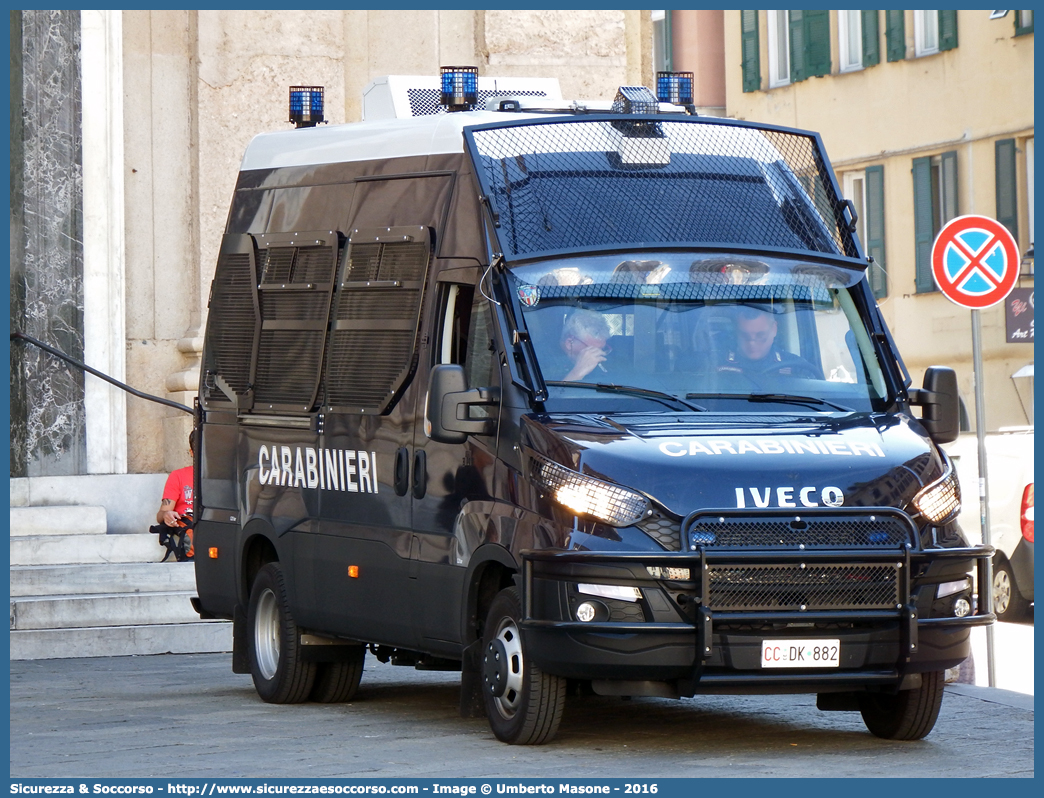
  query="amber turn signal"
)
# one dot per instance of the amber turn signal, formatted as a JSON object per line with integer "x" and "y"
{"x": 353, "y": 571}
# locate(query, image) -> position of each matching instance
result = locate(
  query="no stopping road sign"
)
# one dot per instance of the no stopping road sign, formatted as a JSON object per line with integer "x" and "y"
{"x": 975, "y": 261}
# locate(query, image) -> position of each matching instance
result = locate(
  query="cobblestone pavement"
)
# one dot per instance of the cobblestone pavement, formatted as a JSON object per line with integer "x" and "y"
{"x": 190, "y": 716}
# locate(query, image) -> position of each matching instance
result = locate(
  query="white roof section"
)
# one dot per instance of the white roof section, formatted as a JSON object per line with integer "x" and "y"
{"x": 368, "y": 141}
{"x": 405, "y": 96}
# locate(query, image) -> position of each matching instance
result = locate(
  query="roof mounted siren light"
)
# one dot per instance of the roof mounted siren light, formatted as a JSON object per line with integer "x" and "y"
{"x": 675, "y": 88}
{"x": 459, "y": 87}
{"x": 306, "y": 106}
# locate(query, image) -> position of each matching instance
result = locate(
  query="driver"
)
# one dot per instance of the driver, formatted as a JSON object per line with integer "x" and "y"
{"x": 756, "y": 352}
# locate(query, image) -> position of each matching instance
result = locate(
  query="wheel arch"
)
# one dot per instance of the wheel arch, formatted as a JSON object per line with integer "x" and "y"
{"x": 259, "y": 549}
{"x": 492, "y": 568}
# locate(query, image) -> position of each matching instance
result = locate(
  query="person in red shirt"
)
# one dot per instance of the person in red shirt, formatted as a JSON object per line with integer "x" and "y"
{"x": 177, "y": 494}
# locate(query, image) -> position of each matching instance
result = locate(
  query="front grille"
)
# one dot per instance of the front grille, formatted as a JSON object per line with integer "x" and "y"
{"x": 841, "y": 530}
{"x": 800, "y": 587}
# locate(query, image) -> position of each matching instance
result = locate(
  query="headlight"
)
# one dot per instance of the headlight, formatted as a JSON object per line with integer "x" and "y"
{"x": 585, "y": 495}
{"x": 941, "y": 500}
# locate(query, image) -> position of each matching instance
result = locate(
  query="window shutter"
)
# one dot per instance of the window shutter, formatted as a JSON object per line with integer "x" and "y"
{"x": 923, "y": 224}
{"x": 947, "y": 29}
{"x": 798, "y": 70}
{"x": 949, "y": 186}
{"x": 875, "y": 230}
{"x": 895, "y": 34}
{"x": 372, "y": 350}
{"x": 297, "y": 278}
{"x": 817, "y": 42}
{"x": 1007, "y": 198}
{"x": 232, "y": 326}
{"x": 1023, "y": 22}
{"x": 871, "y": 38}
{"x": 750, "y": 49}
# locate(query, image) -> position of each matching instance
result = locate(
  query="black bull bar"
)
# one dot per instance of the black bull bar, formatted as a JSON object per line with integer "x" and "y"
{"x": 630, "y": 569}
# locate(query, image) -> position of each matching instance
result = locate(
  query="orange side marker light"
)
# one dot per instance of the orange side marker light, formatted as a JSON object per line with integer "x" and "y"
{"x": 212, "y": 551}
{"x": 353, "y": 571}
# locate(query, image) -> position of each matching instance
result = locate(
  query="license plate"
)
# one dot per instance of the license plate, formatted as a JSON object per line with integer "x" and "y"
{"x": 813, "y": 653}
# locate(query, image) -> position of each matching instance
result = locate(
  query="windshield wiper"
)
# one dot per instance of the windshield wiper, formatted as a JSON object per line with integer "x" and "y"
{"x": 661, "y": 396}
{"x": 787, "y": 398}
{"x": 783, "y": 398}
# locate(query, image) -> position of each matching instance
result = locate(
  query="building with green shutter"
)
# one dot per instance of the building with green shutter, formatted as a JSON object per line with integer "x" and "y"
{"x": 926, "y": 115}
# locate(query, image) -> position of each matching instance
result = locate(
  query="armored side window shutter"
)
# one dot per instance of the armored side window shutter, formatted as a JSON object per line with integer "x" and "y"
{"x": 923, "y": 224}
{"x": 750, "y": 49}
{"x": 895, "y": 34}
{"x": 798, "y": 68}
{"x": 1007, "y": 198}
{"x": 947, "y": 29}
{"x": 871, "y": 38}
{"x": 875, "y": 230}
{"x": 296, "y": 285}
{"x": 817, "y": 42}
{"x": 233, "y": 324}
{"x": 373, "y": 335}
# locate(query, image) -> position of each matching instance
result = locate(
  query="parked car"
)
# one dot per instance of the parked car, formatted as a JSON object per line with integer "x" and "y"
{"x": 1009, "y": 470}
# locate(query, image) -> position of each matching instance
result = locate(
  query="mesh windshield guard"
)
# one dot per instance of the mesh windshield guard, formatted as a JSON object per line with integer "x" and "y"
{"x": 599, "y": 181}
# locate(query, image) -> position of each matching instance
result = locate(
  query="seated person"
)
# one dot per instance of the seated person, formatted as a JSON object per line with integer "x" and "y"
{"x": 583, "y": 341}
{"x": 756, "y": 353}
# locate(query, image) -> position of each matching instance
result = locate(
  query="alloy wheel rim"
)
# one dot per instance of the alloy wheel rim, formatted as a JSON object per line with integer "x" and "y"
{"x": 266, "y": 634}
{"x": 1001, "y": 591}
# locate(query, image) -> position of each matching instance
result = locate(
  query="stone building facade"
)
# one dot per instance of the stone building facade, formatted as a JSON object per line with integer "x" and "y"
{"x": 128, "y": 128}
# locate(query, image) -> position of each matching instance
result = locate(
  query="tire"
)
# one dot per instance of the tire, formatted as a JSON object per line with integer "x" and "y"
{"x": 1008, "y": 603}
{"x": 337, "y": 682}
{"x": 280, "y": 674}
{"x": 524, "y": 705}
{"x": 907, "y": 715}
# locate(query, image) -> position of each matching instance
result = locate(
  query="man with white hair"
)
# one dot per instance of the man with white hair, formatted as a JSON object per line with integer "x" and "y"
{"x": 584, "y": 337}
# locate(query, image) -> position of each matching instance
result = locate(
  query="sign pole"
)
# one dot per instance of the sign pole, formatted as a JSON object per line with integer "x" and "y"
{"x": 984, "y": 494}
{"x": 975, "y": 262}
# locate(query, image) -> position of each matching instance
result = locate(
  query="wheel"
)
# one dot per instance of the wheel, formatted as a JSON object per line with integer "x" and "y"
{"x": 280, "y": 674}
{"x": 908, "y": 715}
{"x": 524, "y": 704}
{"x": 1008, "y": 603}
{"x": 336, "y": 682}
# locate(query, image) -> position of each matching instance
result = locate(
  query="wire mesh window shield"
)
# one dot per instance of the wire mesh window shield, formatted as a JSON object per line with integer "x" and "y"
{"x": 599, "y": 181}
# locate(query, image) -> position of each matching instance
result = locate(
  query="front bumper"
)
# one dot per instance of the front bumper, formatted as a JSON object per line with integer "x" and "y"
{"x": 704, "y": 634}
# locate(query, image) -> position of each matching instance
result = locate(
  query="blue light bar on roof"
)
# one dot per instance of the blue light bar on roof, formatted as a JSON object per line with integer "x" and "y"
{"x": 459, "y": 87}
{"x": 674, "y": 87}
{"x": 306, "y": 105}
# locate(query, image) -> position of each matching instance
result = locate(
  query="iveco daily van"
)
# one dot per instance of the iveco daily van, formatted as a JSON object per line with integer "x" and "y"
{"x": 569, "y": 398}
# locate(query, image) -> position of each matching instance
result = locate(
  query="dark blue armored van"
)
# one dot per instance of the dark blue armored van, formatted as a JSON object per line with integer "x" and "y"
{"x": 571, "y": 400}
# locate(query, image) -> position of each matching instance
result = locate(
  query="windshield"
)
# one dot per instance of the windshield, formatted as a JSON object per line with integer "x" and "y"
{"x": 689, "y": 332}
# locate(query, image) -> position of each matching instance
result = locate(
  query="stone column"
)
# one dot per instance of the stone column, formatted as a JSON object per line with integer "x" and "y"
{"x": 48, "y": 434}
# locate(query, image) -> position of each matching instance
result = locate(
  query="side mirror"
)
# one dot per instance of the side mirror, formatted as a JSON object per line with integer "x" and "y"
{"x": 446, "y": 416}
{"x": 941, "y": 402}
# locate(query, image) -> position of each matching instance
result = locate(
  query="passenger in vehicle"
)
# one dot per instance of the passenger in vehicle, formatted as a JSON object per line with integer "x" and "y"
{"x": 584, "y": 341}
{"x": 756, "y": 352}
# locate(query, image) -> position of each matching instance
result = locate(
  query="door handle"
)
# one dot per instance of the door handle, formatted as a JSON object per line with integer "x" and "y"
{"x": 420, "y": 474}
{"x": 402, "y": 471}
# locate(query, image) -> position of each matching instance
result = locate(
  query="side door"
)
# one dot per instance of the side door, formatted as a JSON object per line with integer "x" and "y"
{"x": 359, "y": 560}
{"x": 452, "y": 484}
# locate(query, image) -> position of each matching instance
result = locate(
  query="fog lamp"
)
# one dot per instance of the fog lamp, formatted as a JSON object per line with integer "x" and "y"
{"x": 941, "y": 500}
{"x": 961, "y": 607}
{"x": 586, "y": 612}
{"x": 306, "y": 105}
